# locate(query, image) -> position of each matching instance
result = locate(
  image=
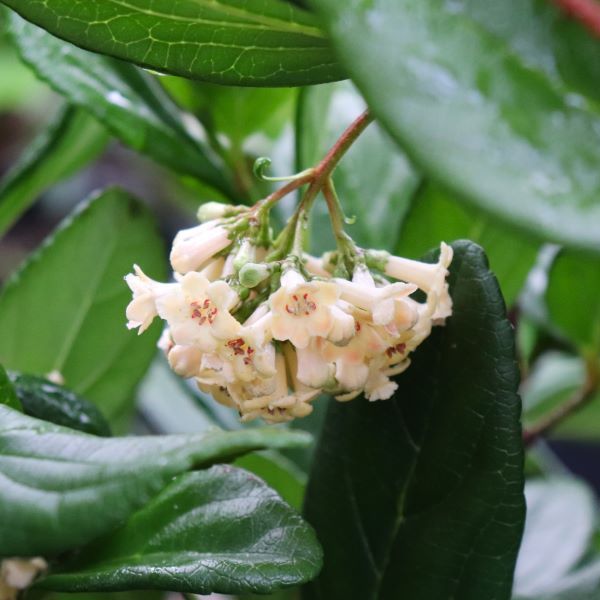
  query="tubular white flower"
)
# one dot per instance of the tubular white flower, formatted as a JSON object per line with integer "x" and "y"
{"x": 380, "y": 301}
{"x": 212, "y": 271}
{"x": 197, "y": 312}
{"x": 193, "y": 247}
{"x": 379, "y": 386}
{"x": 301, "y": 310}
{"x": 351, "y": 361}
{"x": 185, "y": 360}
{"x": 431, "y": 278}
{"x": 210, "y": 211}
{"x": 248, "y": 359}
{"x": 141, "y": 310}
{"x": 17, "y": 574}
{"x": 312, "y": 370}
{"x": 315, "y": 266}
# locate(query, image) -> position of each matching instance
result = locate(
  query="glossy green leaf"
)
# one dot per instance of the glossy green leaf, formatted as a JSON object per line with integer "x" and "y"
{"x": 130, "y": 103}
{"x": 421, "y": 496}
{"x": 277, "y": 472}
{"x": 60, "y": 488}
{"x": 374, "y": 181}
{"x": 48, "y": 401}
{"x": 474, "y": 113}
{"x": 8, "y": 396}
{"x": 169, "y": 406}
{"x": 64, "y": 310}
{"x": 219, "y": 530}
{"x": 72, "y": 140}
{"x": 24, "y": 91}
{"x": 561, "y": 520}
{"x": 233, "y": 42}
{"x": 436, "y": 215}
{"x": 573, "y": 299}
{"x": 554, "y": 378}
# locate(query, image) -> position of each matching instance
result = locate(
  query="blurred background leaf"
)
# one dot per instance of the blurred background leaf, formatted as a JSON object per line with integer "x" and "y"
{"x": 71, "y": 140}
{"x": 130, "y": 102}
{"x": 64, "y": 309}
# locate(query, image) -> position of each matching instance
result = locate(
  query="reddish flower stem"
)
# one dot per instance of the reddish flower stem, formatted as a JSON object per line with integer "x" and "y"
{"x": 579, "y": 399}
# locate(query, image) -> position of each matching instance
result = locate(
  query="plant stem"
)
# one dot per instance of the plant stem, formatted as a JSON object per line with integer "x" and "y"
{"x": 586, "y": 12}
{"x": 579, "y": 399}
{"x": 317, "y": 179}
{"x": 319, "y": 175}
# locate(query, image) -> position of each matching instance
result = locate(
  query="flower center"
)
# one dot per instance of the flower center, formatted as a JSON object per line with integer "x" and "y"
{"x": 239, "y": 347}
{"x": 301, "y": 305}
{"x": 204, "y": 312}
{"x": 397, "y": 349}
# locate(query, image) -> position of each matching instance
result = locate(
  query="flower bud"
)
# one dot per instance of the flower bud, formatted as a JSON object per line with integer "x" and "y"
{"x": 212, "y": 210}
{"x": 251, "y": 274}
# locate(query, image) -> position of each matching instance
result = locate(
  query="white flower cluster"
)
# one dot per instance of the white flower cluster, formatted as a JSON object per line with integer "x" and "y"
{"x": 268, "y": 336}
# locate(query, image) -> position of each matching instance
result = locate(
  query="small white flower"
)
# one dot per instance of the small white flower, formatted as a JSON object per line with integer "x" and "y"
{"x": 193, "y": 247}
{"x": 315, "y": 266}
{"x": 431, "y": 278}
{"x": 185, "y": 360}
{"x": 17, "y": 574}
{"x": 302, "y": 310}
{"x": 313, "y": 371}
{"x": 142, "y": 309}
{"x": 197, "y": 312}
{"x": 351, "y": 360}
{"x": 379, "y": 301}
{"x": 213, "y": 270}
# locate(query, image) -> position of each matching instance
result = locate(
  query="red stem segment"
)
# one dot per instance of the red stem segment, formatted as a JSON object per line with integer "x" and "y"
{"x": 586, "y": 12}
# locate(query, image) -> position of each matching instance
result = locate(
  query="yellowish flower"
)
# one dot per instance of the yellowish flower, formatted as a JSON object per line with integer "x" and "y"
{"x": 302, "y": 310}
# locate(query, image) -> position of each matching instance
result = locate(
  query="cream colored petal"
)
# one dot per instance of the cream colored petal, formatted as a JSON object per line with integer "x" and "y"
{"x": 312, "y": 369}
{"x": 290, "y": 280}
{"x": 343, "y": 327}
{"x": 221, "y": 293}
{"x": 351, "y": 376}
{"x": 185, "y": 360}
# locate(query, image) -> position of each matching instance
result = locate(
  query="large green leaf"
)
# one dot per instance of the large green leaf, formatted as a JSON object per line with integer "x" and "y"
{"x": 219, "y": 530}
{"x": 72, "y": 140}
{"x": 64, "y": 309}
{"x": 169, "y": 406}
{"x": 132, "y": 105}
{"x": 421, "y": 496}
{"x": 374, "y": 181}
{"x": 474, "y": 113}
{"x": 48, "y": 401}
{"x": 435, "y": 215}
{"x": 573, "y": 299}
{"x": 234, "y": 42}
{"x": 561, "y": 520}
{"x": 60, "y": 488}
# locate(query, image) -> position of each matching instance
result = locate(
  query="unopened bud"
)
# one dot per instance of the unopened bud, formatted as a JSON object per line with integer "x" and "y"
{"x": 251, "y": 274}
{"x": 377, "y": 259}
{"x": 212, "y": 210}
{"x": 245, "y": 254}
